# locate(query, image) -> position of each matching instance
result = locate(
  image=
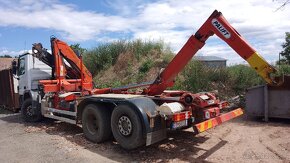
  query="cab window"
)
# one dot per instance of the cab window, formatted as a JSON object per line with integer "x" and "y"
{"x": 21, "y": 69}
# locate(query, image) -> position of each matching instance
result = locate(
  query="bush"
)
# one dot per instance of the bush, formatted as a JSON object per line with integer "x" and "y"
{"x": 284, "y": 69}
{"x": 195, "y": 77}
{"x": 229, "y": 81}
{"x": 146, "y": 66}
{"x": 242, "y": 77}
{"x": 103, "y": 56}
{"x": 106, "y": 55}
{"x": 143, "y": 48}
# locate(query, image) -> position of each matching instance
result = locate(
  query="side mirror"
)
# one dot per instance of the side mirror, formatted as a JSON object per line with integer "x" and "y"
{"x": 14, "y": 67}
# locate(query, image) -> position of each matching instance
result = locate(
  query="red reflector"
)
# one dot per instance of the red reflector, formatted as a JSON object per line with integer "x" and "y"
{"x": 181, "y": 116}
{"x": 224, "y": 104}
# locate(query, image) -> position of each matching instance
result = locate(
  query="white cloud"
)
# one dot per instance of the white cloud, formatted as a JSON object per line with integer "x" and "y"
{"x": 75, "y": 25}
{"x": 12, "y": 53}
{"x": 169, "y": 20}
{"x": 255, "y": 20}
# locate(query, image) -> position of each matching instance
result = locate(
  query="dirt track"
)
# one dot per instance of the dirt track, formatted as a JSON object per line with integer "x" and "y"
{"x": 241, "y": 140}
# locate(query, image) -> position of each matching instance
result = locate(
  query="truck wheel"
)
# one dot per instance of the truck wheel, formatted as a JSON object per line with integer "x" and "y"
{"x": 28, "y": 113}
{"x": 126, "y": 127}
{"x": 96, "y": 123}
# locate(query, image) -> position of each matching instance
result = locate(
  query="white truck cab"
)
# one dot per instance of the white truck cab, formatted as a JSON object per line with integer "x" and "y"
{"x": 30, "y": 71}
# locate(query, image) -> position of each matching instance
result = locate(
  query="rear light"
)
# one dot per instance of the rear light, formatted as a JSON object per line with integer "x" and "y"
{"x": 181, "y": 116}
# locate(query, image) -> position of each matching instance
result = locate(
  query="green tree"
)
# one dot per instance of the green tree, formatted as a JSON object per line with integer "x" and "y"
{"x": 286, "y": 49}
{"x": 5, "y": 56}
{"x": 78, "y": 48}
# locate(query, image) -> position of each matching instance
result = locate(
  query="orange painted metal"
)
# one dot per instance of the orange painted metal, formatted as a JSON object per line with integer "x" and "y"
{"x": 70, "y": 97}
{"x": 71, "y": 85}
{"x": 84, "y": 81}
{"x": 208, "y": 124}
{"x": 215, "y": 24}
{"x": 175, "y": 66}
{"x": 62, "y": 50}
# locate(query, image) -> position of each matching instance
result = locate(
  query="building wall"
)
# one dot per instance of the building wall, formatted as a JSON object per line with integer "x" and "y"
{"x": 215, "y": 64}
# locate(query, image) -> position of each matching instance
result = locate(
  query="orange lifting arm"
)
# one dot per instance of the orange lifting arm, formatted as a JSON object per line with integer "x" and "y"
{"x": 215, "y": 24}
{"x": 61, "y": 50}
{"x": 69, "y": 73}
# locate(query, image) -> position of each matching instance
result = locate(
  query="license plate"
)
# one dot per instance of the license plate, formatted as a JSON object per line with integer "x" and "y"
{"x": 179, "y": 124}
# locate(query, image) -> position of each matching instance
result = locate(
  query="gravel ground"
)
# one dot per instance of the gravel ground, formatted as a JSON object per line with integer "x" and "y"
{"x": 240, "y": 140}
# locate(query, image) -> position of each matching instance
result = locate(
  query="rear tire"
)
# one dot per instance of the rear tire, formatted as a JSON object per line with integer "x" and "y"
{"x": 96, "y": 123}
{"x": 28, "y": 113}
{"x": 127, "y": 127}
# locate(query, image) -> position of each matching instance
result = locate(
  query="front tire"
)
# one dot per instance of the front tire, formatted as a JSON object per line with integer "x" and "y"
{"x": 29, "y": 113}
{"x": 96, "y": 123}
{"x": 127, "y": 127}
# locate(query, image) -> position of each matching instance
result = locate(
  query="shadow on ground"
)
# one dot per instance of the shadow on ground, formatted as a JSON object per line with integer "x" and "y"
{"x": 259, "y": 121}
{"x": 3, "y": 110}
{"x": 180, "y": 145}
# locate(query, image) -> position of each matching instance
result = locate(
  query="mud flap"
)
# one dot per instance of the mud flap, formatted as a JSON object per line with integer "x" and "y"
{"x": 208, "y": 124}
{"x": 155, "y": 136}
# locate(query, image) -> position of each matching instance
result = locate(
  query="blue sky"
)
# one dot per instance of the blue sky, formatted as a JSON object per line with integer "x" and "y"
{"x": 24, "y": 22}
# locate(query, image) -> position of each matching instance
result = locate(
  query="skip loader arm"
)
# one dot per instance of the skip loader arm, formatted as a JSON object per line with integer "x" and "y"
{"x": 215, "y": 24}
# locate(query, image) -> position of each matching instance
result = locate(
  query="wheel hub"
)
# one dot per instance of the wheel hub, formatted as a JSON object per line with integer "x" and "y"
{"x": 92, "y": 124}
{"x": 125, "y": 125}
{"x": 29, "y": 110}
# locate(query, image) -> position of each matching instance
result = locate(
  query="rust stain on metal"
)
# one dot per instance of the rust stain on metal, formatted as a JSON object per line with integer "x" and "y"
{"x": 8, "y": 97}
{"x": 284, "y": 86}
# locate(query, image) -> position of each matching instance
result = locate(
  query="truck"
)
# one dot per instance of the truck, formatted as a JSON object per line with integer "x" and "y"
{"x": 57, "y": 85}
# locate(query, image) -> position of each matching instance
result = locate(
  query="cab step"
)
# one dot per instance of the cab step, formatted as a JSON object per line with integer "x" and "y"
{"x": 50, "y": 113}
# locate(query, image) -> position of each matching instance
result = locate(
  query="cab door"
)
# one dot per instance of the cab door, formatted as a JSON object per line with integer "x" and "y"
{"x": 22, "y": 74}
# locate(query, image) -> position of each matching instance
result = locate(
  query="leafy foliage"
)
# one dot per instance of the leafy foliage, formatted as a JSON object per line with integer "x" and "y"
{"x": 242, "y": 77}
{"x": 78, "y": 49}
{"x": 5, "y": 56}
{"x": 284, "y": 69}
{"x": 286, "y": 49}
{"x": 146, "y": 66}
{"x": 232, "y": 80}
{"x": 105, "y": 55}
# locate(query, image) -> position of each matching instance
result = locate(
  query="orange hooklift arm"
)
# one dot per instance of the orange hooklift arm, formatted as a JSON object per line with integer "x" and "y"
{"x": 215, "y": 24}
